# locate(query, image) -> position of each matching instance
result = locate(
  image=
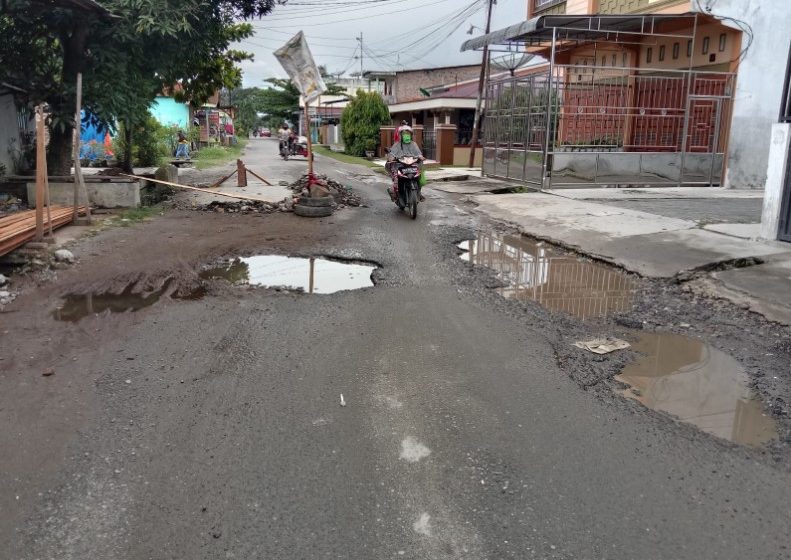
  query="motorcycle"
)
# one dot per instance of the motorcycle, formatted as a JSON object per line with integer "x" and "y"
{"x": 407, "y": 195}
{"x": 283, "y": 149}
{"x": 297, "y": 147}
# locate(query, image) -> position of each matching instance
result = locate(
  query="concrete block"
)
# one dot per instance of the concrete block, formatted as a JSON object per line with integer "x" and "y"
{"x": 168, "y": 172}
{"x": 109, "y": 194}
{"x": 776, "y": 173}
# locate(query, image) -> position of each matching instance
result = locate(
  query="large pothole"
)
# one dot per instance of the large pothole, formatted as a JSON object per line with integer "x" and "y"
{"x": 313, "y": 275}
{"x": 679, "y": 375}
{"x": 310, "y": 275}
{"x": 556, "y": 280}
{"x": 699, "y": 385}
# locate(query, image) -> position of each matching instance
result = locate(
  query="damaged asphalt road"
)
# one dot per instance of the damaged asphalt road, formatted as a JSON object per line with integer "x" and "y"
{"x": 212, "y": 427}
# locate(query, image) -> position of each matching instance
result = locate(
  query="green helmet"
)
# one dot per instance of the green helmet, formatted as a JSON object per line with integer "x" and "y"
{"x": 405, "y": 133}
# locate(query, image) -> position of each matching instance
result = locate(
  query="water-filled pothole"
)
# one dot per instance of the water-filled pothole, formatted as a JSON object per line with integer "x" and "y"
{"x": 556, "y": 280}
{"x": 698, "y": 384}
{"x": 311, "y": 275}
{"x": 79, "y": 306}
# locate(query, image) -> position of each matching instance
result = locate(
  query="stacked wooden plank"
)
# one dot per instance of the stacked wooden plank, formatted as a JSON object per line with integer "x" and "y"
{"x": 19, "y": 228}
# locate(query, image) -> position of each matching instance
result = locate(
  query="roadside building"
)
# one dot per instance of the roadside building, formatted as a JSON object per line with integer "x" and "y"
{"x": 638, "y": 92}
{"x": 17, "y": 132}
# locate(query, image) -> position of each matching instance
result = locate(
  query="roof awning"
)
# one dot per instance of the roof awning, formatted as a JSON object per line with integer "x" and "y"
{"x": 539, "y": 31}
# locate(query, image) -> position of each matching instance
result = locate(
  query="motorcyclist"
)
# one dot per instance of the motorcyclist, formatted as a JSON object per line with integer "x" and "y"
{"x": 403, "y": 147}
{"x": 285, "y": 136}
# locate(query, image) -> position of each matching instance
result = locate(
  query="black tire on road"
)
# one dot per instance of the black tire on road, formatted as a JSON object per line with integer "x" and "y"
{"x": 312, "y": 211}
{"x": 413, "y": 204}
{"x": 318, "y": 202}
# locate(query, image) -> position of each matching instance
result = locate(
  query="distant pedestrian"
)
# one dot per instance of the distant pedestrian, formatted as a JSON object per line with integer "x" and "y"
{"x": 182, "y": 147}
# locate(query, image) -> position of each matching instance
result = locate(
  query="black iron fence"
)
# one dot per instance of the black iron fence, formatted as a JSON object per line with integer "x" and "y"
{"x": 429, "y": 144}
{"x": 785, "y": 107}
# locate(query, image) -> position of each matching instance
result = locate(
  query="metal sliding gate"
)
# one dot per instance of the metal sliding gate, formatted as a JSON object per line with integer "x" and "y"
{"x": 582, "y": 125}
{"x": 784, "y": 232}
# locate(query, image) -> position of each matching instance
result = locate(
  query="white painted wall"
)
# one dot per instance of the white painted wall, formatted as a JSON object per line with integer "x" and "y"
{"x": 759, "y": 85}
{"x": 775, "y": 182}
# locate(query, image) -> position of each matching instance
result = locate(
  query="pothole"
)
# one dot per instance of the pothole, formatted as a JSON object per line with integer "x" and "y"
{"x": 79, "y": 306}
{"x": 309, "y": 275}
{"x": 699, "y": 385}
{"x": 558, "y": 281}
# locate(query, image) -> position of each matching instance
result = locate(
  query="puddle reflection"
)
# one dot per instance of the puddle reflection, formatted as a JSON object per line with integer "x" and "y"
{"x": 312, "y": 275}
{"x": 557, "y": 281}
{"x": 79, "y": 306}
{"x": 700, "y": 385}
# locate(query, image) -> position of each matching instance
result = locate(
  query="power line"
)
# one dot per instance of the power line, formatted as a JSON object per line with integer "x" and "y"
{"x": 448, "y": 21}
{"x": 325, "y": 23}
{"x": 325, "y": 10}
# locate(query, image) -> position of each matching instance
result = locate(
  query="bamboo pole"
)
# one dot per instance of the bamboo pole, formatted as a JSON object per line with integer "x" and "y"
{"x": 310, "y": 143}
{"x": 218, "y": 193}
{"x": 79, "y": 182}
{"x": 257, "y": 176}
{"x": 221, "y": 181}
{"x": 41, "y": 173}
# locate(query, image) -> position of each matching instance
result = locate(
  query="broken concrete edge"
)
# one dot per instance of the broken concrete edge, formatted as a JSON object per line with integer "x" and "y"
{"x": 571, "y": 248}
{"x": 711, "y": 287}
{"x": 685, "y": 277}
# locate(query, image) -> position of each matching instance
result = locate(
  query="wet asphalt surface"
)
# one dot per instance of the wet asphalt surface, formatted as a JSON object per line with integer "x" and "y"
{"x": 213, "y": 428}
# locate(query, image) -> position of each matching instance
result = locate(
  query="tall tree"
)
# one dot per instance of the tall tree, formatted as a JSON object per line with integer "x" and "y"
{"x": 360, "y": 122}
{"x": 126, "y": 61}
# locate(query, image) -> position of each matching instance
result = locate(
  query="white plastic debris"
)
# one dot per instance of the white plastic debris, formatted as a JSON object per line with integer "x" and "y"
{"x": 343, "y": 402}
{"x": 64, "y": 255}
{"x": 3, "y": 280}
{"x": 602, "y": 345}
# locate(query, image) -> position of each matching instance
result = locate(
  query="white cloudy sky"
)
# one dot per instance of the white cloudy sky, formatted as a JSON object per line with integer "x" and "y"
{"x": 396, "y": 33}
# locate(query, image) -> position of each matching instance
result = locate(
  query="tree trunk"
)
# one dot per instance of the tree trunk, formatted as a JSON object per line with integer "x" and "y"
{"x": 128, "y": 138}
{"x": 62, "y": 108}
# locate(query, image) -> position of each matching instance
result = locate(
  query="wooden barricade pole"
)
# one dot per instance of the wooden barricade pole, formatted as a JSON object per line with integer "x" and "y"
{"x": 41, "y": 173}
{"x": 241, "y": 174}
{"x": 310, "y": 142}
{"x": 79, "y": 182}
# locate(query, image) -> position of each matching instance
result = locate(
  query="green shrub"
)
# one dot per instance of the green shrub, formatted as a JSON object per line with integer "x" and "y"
{"x": 151, "y": 143}
{"x": 365, "y": 113}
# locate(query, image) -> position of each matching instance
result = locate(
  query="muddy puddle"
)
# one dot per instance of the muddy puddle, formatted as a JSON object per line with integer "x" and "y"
{"x": 698, "y": 384}
{"x": 311, "y": 275}
{"x": 556, "y": 280}
{"x": 79, "y": 306}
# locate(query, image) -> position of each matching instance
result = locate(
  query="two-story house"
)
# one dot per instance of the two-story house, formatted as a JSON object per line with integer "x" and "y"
{"x": 640, "y": 92}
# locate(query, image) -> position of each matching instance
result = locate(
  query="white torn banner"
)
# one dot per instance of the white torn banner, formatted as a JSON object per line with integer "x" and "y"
{"x": 602, "y": 345}
{"x": 297, "y": 61}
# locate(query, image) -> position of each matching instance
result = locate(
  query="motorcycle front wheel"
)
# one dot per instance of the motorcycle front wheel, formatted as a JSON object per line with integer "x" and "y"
{"x": 413, "y": 203}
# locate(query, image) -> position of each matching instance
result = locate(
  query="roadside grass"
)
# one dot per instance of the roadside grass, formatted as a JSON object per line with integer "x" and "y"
{"x": 135, "y": 215}
{"x": 214, "y": 156}
{"x": 345, "y": 158}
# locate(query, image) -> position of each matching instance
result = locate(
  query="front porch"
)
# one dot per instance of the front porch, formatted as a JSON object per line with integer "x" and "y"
{"x": 443, "y": 128}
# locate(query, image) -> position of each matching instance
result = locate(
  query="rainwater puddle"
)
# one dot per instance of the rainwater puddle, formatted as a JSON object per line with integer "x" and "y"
{"x": 311, "y": 275}
{"x": 79, "y": 306}
{"x": 554, "y": 279}
{"x": 698, "y": 384}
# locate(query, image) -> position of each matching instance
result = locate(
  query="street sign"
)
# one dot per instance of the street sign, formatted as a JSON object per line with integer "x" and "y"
{"x": 297, "y": 61}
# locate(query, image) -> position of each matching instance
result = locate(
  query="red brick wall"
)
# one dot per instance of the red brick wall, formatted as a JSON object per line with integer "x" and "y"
{"x": 408, "y": 83}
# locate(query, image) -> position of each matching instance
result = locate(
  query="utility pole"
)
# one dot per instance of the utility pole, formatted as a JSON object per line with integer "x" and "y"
{"x": 484, "y": 65}
{"x": 360, "y": 38}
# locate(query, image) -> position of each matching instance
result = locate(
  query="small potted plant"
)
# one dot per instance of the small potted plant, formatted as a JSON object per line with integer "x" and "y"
{"x": 370, "y": 148}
